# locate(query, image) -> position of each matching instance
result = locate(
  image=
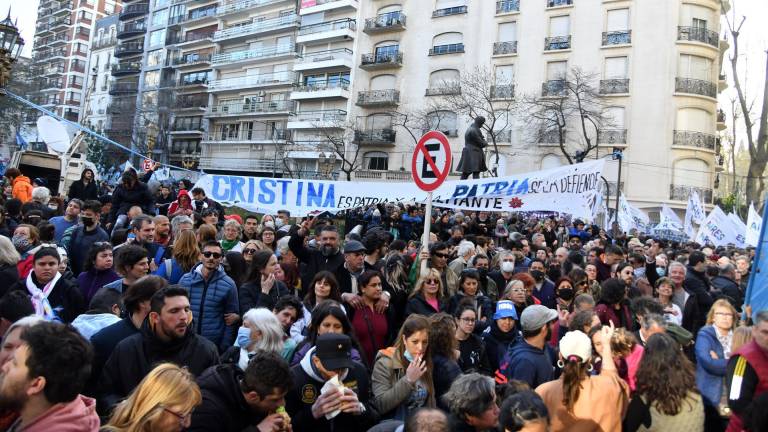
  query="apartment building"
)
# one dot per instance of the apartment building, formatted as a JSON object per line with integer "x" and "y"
{"x": 97, "y": 94}
{"x": 60, "y": 51}
{"x": 656, "y": 66}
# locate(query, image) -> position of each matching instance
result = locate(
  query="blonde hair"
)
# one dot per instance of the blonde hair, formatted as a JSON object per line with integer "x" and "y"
{"x": 741, "y": 336}
{"x": 430, "y": 273}
{"x": 723, "y": 303}
{"x": 205, "y": 233}
{"x": 255, "y": 243}
{"x": 166, "y": 386}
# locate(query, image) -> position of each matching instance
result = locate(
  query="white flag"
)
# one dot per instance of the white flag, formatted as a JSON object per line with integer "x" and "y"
{"x": 631, "y": 217}
{"x": 717, "y": 229}
{"x": 669, "y": 216}
{"x": 754, "y": 224}
{"x": 694, "y": 213}
{"x": 740, "y": 228}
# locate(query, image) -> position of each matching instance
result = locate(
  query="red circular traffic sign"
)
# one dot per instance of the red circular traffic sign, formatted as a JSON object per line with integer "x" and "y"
{"x": 431, "y": 176}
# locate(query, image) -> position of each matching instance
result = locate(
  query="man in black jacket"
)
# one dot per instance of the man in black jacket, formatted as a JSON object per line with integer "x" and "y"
{"x": 347, "y": 406}
{"x": 724, "y": 286}
{"x": 326, "y": 257}
{"x": 165, "y": 337}
{"x": 234, "y": 400}
{"x": 697, "y": 284}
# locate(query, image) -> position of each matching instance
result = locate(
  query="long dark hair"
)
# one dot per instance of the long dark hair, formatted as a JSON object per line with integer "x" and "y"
{"x": 322, "y": 311}
{"x": 574, "y": 373}
{"x": 665, "y": 377}
{"x": 258, "y": 263}
{"x": 310, "y": 299}
{"x": 93, "y": 252}
{"x": 442, "y": 335}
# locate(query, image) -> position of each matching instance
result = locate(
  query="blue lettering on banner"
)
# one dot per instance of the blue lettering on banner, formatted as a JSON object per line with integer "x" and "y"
{"x": 284, "y": 193}
{"x": 267, "y": 195}
{"x": 314, "y": 196}
{"x": 220, "y": 192}
{"x": 300, "y": 186}
{"x": 237, "y": 189}
{"x": 251, "y": 188}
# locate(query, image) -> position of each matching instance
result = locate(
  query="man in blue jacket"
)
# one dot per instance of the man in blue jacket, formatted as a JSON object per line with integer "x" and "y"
{"x": 213, "y": 297}
{"x": 530, "y": 360}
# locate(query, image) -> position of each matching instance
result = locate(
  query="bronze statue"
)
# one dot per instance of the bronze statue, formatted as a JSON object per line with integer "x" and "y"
{"x": 473, "y": 157}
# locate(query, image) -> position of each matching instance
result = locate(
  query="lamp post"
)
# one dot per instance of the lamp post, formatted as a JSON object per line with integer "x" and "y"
{"x": 11, "y": 45}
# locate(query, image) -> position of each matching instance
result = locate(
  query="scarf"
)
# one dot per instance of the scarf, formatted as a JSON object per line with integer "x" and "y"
{"x": 227, "y": 245}
{"x": 40, "y": 297}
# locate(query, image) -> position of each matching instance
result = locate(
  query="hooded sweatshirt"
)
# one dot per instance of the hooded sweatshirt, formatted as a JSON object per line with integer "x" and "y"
{"x": 176, "y": 205}
{"x": 76, "y": 416}
{"x": 22, "y": 188}
{"x": 529, "y": 364}
{"x": 223, "y": 408}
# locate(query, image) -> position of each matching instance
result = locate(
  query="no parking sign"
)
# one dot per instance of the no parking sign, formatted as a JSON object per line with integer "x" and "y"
{"x": 431, "y": 161}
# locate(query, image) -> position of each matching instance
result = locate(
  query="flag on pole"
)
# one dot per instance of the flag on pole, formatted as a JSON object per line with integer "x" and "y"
{"x": 21, "y": 142}
{"x": 694, "y": 213}
{"x": 740, "y": 228}
{"x": 631, "y": 217}
{"x": 754, "y": 224}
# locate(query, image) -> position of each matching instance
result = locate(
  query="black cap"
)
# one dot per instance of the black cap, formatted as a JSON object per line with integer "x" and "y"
{"x": 334, "y": 351}
{"x": 353, "y": 246}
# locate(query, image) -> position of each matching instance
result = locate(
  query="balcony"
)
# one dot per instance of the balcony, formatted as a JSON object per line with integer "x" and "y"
{"x": 339, "y": 30}
{"x": 696, "y": 34}
{"x": 553, "y": 88}
{"x": 504, "y": 48}
{"x": 456, "y": 10}
{"x": 555, "y": 43}
{"x": 207, "y": 13}
{"x": 191, "y": 39}
{"x": 320, "y": 119}
{"x": 53, "y": 101}
{"x": 392, "y": 21}
{"x": 375, "y": 136}
{"x": 77, "y": 67}
{"x": 247, "y": 135}
{"x": 278, "y": 107}
{"x": 696, "y": 86}
{"x": 443, "y": 90}
{"x": 126, "y": 68}
{"x": 121, "y": 108}
{"x": 129, "y": 49}
{"x": 48, "y": 85}
{"x": 382, "y": 175}
{"x": 227, "y": 59}
{"x": 614, "y": 86}
{"x": 456, "y": 48}
{"x": 682, "y": 192}
{"x": 123, "y": 87}
{"x": 612, "y": 136}
{"x": 326, "y": 59}
{"x": 503, "y": 92}
{"x": 503, "y": 136}
{"x": 184, "y": 127}
{"x": 721, "y": 120}
{"x": 254, "y": 81}
{"x": 61, "y": 22}
{"x": 258, "y": 28}
{"x": 507, "y": 6}
{"x": 192, "y": 59}
{"x": 550, "y": 137}
{"x": 558, "y": 3}
{"x": 694, "y": 139}
{"x": 55, "y": 70}
{"x": 130, "y": 29}
{"x": 100, "y": 43}
{"x": 190, "y": 102}
{"x": 133, "y": 11}
{"x": 185, "y": 83}
{"x": 309, "y": 7}
{"x": 378, "y": 98}
{"x": 381, "y": 61}
{"x": 335, "y": 88}
{"x": 617, "y": 38}
{"x": 228, "y": 7}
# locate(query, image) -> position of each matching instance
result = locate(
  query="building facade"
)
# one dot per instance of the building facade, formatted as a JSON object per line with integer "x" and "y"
{"x": 97, "y": 95}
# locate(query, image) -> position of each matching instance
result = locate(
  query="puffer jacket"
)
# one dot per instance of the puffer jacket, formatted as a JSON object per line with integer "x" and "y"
{"x": 709, "y": 372}
{"x": 390, "y": 387}
{"x": 22, "y": 188}
{"x": 210, "y": 300}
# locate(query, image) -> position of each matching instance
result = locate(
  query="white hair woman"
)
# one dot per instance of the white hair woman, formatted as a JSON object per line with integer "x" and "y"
{"x": 261, "y": 331}
{"x": 9, "y": 257}
{"x": 230, "y": 236}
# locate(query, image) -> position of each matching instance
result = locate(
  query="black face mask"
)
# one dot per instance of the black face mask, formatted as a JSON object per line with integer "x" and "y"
{"x": 538, "y": 275}
{"x": 566, "y": 294}
{"x": 87, "y": 221}
{"x": 482, "y": 272}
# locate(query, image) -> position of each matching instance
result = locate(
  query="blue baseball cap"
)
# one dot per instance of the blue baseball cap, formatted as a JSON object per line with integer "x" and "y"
{"x": 505, "y": 309}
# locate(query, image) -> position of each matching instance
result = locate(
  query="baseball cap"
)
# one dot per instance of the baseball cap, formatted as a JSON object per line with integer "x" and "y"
{"x": 353, "y": 246}
{"x": 576, "y": 343}
{"x": 505, "y": 309}
{"x": 334, "y": 351}
{"x": 536, "y": 316}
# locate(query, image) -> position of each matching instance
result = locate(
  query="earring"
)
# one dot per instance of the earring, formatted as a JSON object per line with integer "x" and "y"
{"x": 560, "y": 364}
{"x": 590, "y": 368}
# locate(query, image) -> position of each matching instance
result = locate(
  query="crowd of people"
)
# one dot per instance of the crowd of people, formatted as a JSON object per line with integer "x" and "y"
{"x": 156, "y": 309}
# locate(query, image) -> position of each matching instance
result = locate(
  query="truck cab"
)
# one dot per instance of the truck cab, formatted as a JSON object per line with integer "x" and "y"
{"x": 60, "y": 171}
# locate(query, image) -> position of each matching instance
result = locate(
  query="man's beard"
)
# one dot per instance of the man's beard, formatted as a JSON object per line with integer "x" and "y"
{"x": 12, "y": 395}
{"x": 328, "y": 250}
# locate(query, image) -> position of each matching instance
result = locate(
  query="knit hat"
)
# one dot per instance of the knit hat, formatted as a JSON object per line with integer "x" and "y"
{"x": 576, "y": 346}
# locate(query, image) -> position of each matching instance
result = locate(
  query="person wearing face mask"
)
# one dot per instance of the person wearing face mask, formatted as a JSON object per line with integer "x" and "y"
{"x": 25, "y": 239}
{"x": 77, "y": 241}
{"x": 261, "y": 331}
{"x": 481, "y": 263}
{"x": 506, "y": 270}
{"x": 545, "y": 288}
{"x": 501, "y": 335}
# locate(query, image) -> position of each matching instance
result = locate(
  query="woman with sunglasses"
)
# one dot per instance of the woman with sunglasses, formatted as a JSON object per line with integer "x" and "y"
{"x": 261, "y": 287}
{"x": 517, "y": 294}
{"x": 427, "y": 296}
{"x": 472, "y": 355}
{"x": 469, "y": 288}
{"x": 186, "y": 253}
{"x": 249, "y": 248}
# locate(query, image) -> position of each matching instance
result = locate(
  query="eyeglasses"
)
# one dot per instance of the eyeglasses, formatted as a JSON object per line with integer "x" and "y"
{"x": 182, "y": 417}
{"x": 249, "y": 251}
{"x": 441, "y": 255}
{"x": 468, "y": 320}
{"x": 432, "y": 281}
{"x": 724, "y": 314}
{"x": 209, "y": 254}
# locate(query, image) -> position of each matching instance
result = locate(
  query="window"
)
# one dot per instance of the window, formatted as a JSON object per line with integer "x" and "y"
{"x": 692, "y": 172}
{"x": 560, "y": 26}
{"x": 76, "y": 81}
{"x": 444, "y": 78}
{"x": 617, "y": 20}
{"x": 386, "y": 53}
{"x": 444, "y": 121}
{"x": 445, "y": 4}
{"x": 155, "y": 58}
{"x": 699, "y": 24}
{"x": 315, "y": 18}
{"x": 160, "y": 3}
{"x": 378, "y": 161}
{"x": 149, "y": 99}
{"x": 157, "y": 37}
{"x": 616, "y": 68}
{"x": 73, "y": 96}
{"x": 505, "y": 75}
{"x": 614, "y": 117}
{"x": 507, "y": 32}
{"x": 378, "y": 121}
{"x": 160, "y": 17}
{"x": 109, "y": 8}
{"x": 152, "y": 78}
{"x": 383, "y": 82}
{"x": 85, "y": 15}
{"x": 390, "y": 9}
{"x": 695, "y": 67}
{"x": 447, "y": 39}
{"x": 694, "y": 119}
{"x": 556, "y": 70}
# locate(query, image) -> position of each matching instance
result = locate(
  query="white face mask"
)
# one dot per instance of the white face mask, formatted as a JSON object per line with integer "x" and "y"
{"x": 507, "y": 266}
{"x": 279, "y": 222}
{"x": 269, "y": 224}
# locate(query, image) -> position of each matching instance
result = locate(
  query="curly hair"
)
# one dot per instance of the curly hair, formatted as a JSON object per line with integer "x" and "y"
{"x": 442, "y": 335}
{"x": 665, "y": 377}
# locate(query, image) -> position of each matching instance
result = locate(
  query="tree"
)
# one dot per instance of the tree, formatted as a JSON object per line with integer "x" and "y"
{"x": 757, "y": 146}
{"x": 571, "y": 100}
{"x": 12, "y": 112}
{"x": 97, "y": 151}
{"x": 337, "y": 141}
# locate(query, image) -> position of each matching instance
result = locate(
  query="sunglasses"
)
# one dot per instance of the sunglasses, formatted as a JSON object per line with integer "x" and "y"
{"x": 249, "y": 251}
{"x": 432, "y": 281}
{"x": 441, "y": 255}
{"x": 209, "y": 254}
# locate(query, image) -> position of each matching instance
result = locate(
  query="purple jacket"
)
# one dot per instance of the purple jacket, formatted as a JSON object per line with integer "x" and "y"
{"x": 93, "y": 280}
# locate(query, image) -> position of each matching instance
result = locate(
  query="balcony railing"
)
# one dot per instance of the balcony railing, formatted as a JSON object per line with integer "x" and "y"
{"x": 326, "y": 55}
{"x": 195, "y": 101}
{"x": 507, "y": 6}
{"x": 192, "y": 58}
{"x": 127, "y": 29}
{"x": 126, "y": 68}
{"x": 617, "y": 37}
{"x": 187, "y": 126}
{"x": 553, "y": 88}
{"x": 382, "y": 175}
{"x": 320, "y": 116}
{"x": 696, "y": 86}
{"x": 555, "y": 3}
{"x": 557, "y": 43}
{"x": 252, "y": 107}
{"x": 286, "y": 77}
{"x": 256, "y": 27}
{"x": 550, "y": 137}
{"x": 694, "y": 139}
{"x": 130, "y": 48}
{"x": 375, "y": 136}
{"x": 116, "y": 88}
{"x": 200, "y": 14}
{"x": 443, "y": 90}
{"x": 697, "y": 34}
{"x": 190, "y": 37}
{"x": 378, "y": 98}
{"x": 385, "y": 22}
{"x": 228, "y": 7}
{"x": 98, "y": 44}
{"x": 503, "y": 92}
{"x": 503, "y": 48}
{"x": 328, "y": 26}
{"x": 185, "y": 82}
{"x": 372, "y": 61}
{"x": 134, "y": 10}
{"x": 614, "y": 86}
{"x": 447, "y": 49}
{"x": 238, "y": 56}
{"x": 323, "y": 85}
{"x": 456, "y": 10}
{"x": 682, "y": 192}
{"x": 320, "y": 2}
{"x": 612, "y": 136}
{"x": 127, "y": 108}
{"x": 247, "y": 135}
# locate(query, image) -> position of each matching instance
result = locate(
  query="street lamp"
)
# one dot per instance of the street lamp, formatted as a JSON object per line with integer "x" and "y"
{"x": 11, "y": 45}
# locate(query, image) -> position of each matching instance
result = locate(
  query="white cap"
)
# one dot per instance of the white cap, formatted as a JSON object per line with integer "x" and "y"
{"x": 576, "y": 343}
